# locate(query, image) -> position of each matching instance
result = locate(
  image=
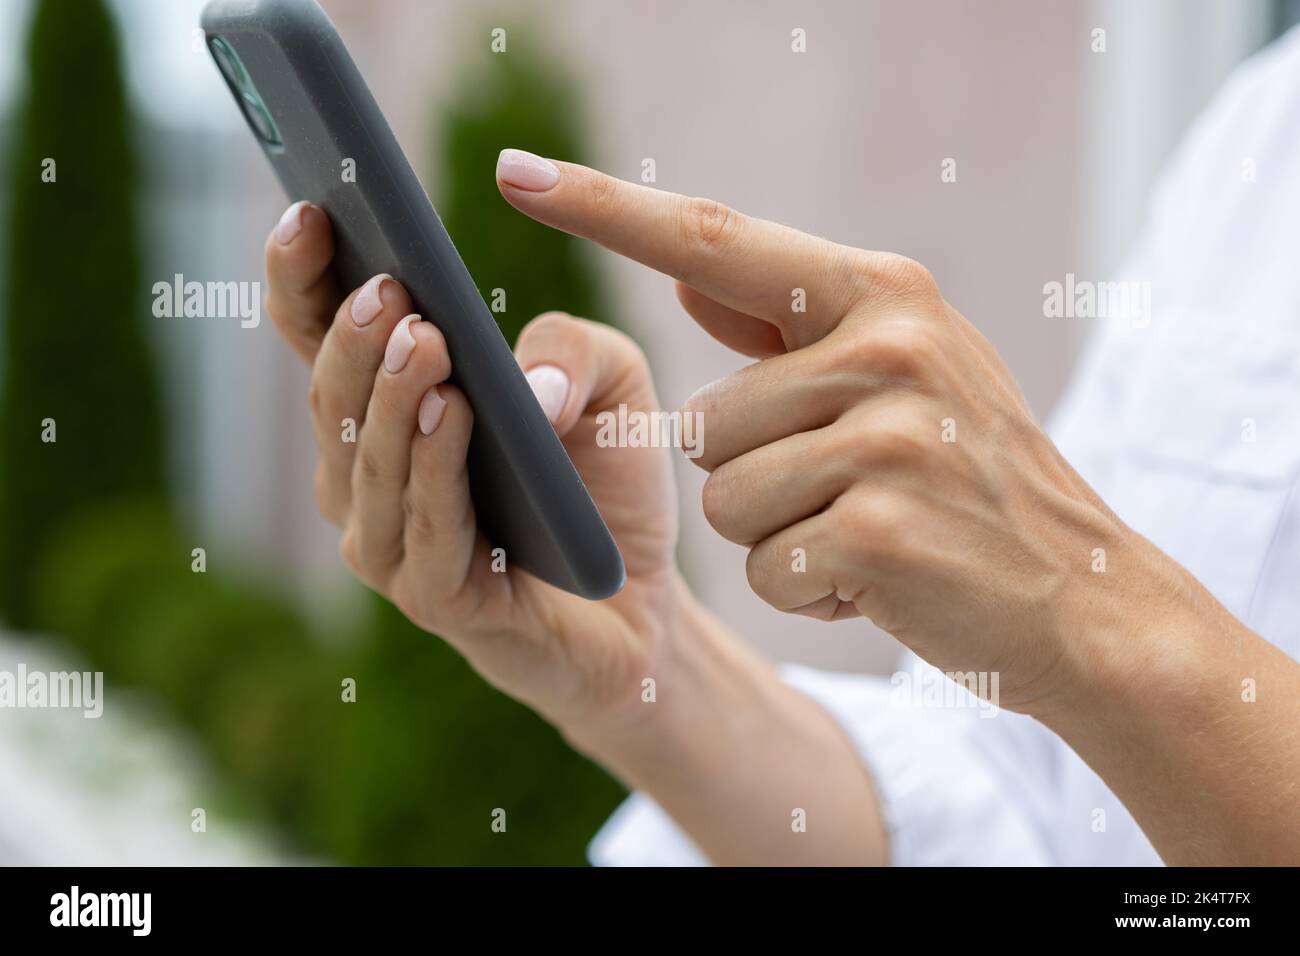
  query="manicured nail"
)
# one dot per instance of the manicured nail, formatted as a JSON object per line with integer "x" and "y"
{"x": 551, "y": 386}
{"x": 431, "y": 408}
{"x": 290, "y": 223}
{"x": 400, "y": 345}
{"x": 368, "y": 303}
{"x": 526, "y": 171}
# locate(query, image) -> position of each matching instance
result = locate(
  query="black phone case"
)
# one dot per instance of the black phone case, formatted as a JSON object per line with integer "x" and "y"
{"x": 527, "y": 494}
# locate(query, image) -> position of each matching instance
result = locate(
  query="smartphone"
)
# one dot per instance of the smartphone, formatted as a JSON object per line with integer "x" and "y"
{"x": 328, "y": 142}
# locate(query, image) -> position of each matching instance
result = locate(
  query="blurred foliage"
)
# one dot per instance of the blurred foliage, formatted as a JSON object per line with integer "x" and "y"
{"x": 234, "y": 664}
{"x": 429, "y": 753}
{"x": 412, "y": 772}
{"x": 514, "y": 99}
{"x": 76, "y": 351}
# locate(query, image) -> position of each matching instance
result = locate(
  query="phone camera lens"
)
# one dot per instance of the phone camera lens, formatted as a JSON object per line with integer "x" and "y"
{"x": 232, "y": 68}
{"x": 260, "y": 119}
{"x": 229, "y": 63}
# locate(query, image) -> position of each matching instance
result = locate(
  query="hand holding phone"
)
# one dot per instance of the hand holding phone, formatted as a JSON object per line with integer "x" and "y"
{"x": 401, "y": 492}
{"x": 311, "y": 111}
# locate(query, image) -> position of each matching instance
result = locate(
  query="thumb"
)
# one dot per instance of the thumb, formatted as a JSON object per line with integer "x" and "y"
{"x": 582, "y": 371}
{"x": 575, "y": 364}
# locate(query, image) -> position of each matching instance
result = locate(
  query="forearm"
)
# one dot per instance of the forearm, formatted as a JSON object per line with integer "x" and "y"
{"x": 1192, "y": 719}
{"x": 754, "y": 771}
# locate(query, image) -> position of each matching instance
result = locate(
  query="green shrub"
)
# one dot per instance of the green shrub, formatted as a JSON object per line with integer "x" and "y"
{"x": 514, "y": 99}
{"x": 75, "y": 346}
{"x": 435, "y": 750}
{"x": 235, "y": 665}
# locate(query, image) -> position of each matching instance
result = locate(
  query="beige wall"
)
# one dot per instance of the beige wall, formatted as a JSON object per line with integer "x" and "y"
{"x": 845, "y": 140}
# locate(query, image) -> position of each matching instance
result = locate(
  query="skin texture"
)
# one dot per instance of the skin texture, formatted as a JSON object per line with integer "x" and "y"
{"x": 879, "y": 437}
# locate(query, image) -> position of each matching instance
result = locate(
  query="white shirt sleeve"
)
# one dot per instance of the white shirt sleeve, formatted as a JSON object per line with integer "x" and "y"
{"x": 954, "y": 789}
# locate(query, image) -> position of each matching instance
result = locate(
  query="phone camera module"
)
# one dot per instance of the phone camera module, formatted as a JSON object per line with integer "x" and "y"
{"x": 261, "y": 120}
{"x": 229, "y": 63}
{"x": 250, "y": 101}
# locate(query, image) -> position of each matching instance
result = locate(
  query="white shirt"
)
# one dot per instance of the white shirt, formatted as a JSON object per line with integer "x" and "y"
{"x": 1187, "y": 422}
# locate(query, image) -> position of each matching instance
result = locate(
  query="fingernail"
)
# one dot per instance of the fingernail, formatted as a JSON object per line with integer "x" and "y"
{"x": 526, "y": 171}
{"x": 431, "y": 408}
{"x": 368, "y": 303}
{"x": 290, "y": 223}
{"x": 551, "y": 386}
{"x": 400, "y": 345}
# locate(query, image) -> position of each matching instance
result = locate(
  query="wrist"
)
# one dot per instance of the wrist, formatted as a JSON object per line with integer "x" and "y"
{"x": 696, "y": 670}
{"x": 1139, "y": 639}
{"x": 1178, "y": 713}
{"x": 733, "y": 754}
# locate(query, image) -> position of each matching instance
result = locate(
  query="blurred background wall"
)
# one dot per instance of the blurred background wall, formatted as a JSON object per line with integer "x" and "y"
{"x": 1055, "y": 145}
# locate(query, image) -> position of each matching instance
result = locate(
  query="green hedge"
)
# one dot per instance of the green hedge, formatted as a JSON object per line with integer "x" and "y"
{"x": 76, "y": 349}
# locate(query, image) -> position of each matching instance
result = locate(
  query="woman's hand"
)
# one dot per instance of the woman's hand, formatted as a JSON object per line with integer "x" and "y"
{"x": 880, "y": 459}
{"x": 722, "y": 744}
{"x": 394, "y": 481}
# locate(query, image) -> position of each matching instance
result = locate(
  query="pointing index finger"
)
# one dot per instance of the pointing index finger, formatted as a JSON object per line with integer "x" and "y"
{"x": 798, "y": 282}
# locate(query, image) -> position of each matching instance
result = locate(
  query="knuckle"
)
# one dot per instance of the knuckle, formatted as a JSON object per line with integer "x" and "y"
{"x": 828, "y": 609}
{"x": 708, "y": 224}
{"x": 369, "y": 469}
{"x": 760, "y": 576}
{"x": 897, "y": 276}
{"x": 902, "y": 349}
{"x": 604, "y": 194}
{"x": 420, "y": 522}
{"x": 902, "y": 445}
{"x": 859, "y": 353}
{"x": 876, "y": 524}
{"x": 715, "y": 499}
{"x": 899, "y": 442}
{"x": 706, "y": 399}
{"x": 316, "y": 396}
